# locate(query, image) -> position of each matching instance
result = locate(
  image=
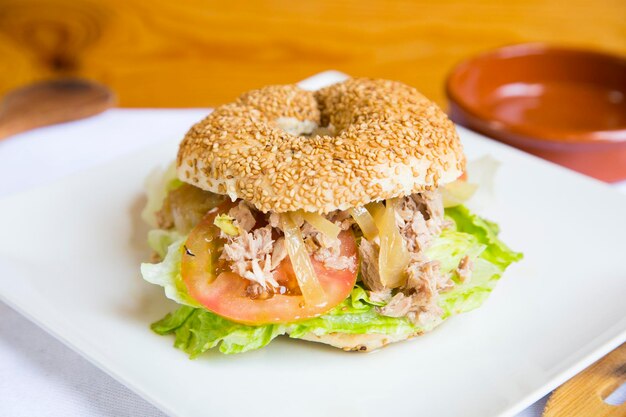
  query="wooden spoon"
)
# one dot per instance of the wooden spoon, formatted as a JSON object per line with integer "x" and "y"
{"x": 51, "y": 102}
{"x": 584, "y": 394}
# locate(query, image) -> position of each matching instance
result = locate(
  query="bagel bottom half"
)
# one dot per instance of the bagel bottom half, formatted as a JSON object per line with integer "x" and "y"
{"x": 357, "y": 342}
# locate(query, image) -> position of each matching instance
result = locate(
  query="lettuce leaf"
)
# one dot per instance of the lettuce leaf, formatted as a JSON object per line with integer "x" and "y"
{"x": 167, "y": 272}
{"x": 159, "y": 240}
{"x": 356, "y": 315}
{"x": 477, "y": 238}
{"x": 486, "y": 232}
{"x": 158, "y": 184}
{"x": 198, "y": 330}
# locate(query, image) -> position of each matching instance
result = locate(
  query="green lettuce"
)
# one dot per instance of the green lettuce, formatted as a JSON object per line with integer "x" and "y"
{"x": 197, "y": 330}
{"x": 486, "y": 232}
{"x": 169, "y": 246}
{"x": 477, "y": 238}
{"x": 159, "y": 240}
{"x": 356, "y": 315}
{"x": 158, "y": 184}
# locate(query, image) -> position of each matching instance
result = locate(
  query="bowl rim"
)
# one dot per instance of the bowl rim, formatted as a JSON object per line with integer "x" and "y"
{"x": 531, "y": 133}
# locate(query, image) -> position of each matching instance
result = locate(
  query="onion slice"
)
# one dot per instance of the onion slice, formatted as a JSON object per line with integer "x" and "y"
{"x": 457, "y": 192}
{"x": 226, "y": 224}
{"x": 312, "y": 291}
{"x": 321, "y": 224}
{"x": 364, "y": 219}
{"x": 394, "y": 256}
{"x": 376, "y": 209}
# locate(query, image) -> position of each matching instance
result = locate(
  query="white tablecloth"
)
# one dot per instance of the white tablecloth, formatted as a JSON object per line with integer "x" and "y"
{"x": 39, "y": 376}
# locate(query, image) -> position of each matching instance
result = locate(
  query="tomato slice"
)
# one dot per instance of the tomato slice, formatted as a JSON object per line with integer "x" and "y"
{"x": 223, "y": 292}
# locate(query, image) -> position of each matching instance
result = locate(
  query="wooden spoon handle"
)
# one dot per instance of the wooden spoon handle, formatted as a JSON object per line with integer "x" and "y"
{"x": 8, "y": 128}
{"x": 51, "y": 102}
{"x": 12, "y": 124}
{"x": 583, "y": 395}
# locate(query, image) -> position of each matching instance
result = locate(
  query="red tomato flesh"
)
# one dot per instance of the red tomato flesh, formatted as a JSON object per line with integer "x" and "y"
{"x": 223, "y": 292}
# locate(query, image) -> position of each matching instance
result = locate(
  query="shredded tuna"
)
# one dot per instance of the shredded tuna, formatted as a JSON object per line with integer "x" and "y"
{"x": 382, "y": 296}
{"x": 279, "y": 253}
{"x": 343, "y": 219}
{"x": 274, "y": 220}
{"x": 325, "y": 249}
{"x": 464, "y": 270}
{"x": 420, "y": 219}
{"x": 398, "y": 306}
{"x": 417, "y": 300}
{"x": 243, "y": 216}
{"x": 415, "y": 232}
{"x": 431, "y": 204}
{"x": 250, "y": 256}
{"x": 427, "y": 279}
{"x": 369, "y": 265}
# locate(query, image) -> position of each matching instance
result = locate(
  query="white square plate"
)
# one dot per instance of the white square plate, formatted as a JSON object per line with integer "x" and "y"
{"x": 69, "y": 260}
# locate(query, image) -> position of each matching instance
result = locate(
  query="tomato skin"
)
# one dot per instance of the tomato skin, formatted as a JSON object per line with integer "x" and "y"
{"x": 224, "y": 292}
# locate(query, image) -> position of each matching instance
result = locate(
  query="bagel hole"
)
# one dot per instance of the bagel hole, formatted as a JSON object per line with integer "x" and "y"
{"x": 304, "y": 128}
{"x": 324, "y": 131}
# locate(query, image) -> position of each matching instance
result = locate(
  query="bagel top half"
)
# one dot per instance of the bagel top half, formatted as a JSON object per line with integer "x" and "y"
{"x": 282, "y": 148}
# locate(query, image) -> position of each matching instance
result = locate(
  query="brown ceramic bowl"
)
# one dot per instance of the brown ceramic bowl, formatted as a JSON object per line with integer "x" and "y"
{"x": 564, "y": 105}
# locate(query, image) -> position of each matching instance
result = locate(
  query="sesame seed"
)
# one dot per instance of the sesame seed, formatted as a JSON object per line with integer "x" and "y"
{"x": 375, "y": 124}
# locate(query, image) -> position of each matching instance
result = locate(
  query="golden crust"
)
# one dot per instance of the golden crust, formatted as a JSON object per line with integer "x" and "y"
{"x": 390, "y": 141}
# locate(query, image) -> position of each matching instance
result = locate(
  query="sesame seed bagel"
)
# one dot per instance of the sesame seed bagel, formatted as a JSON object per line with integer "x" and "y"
{"x": 282, "y": 148}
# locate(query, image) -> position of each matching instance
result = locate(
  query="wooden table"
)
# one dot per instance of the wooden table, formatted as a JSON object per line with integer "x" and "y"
{"x": 163, "y": 53}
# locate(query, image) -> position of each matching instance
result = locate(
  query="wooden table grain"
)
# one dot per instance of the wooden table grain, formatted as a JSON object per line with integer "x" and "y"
{"x": 164, "y": 53}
